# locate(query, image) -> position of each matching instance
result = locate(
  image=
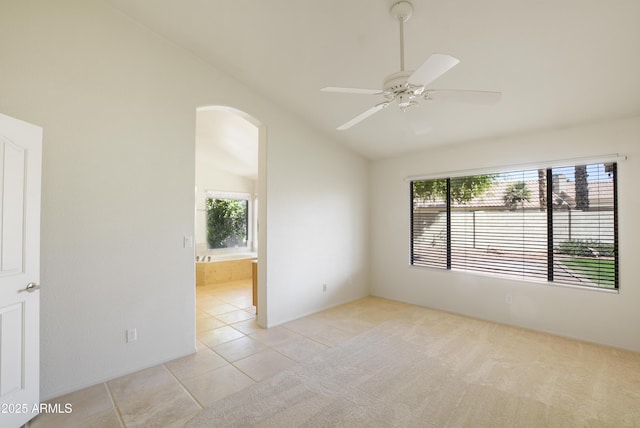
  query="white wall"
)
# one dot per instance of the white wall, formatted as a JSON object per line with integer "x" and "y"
{"x": 117, "y": 105}
{"x": 318, "y": 221}
{"x": 611, "y": 319}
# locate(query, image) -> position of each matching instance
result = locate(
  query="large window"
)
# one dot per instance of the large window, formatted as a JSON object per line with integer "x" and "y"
{"x": 556, "y": 224}
{"x": 227, "y": 220}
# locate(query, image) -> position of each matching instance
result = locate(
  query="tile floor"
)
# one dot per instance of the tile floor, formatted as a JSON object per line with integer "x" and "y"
{"x": 233, "y": 354}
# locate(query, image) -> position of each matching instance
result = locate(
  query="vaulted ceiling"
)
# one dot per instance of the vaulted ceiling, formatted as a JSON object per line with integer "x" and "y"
{"x": 227, "y": 142}
{"x": 558, "y": 63}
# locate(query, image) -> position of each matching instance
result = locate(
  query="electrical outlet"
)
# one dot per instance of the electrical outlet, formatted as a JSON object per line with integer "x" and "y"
{"x": 324, "y": 288}
{"x": 132, "y": 335}
{"x": 508, "y": 299}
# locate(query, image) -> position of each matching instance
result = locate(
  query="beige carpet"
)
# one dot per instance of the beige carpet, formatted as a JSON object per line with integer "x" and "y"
{"x": 432, "y": 369}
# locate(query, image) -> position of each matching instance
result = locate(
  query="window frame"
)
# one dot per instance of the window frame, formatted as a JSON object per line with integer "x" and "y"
{"x": 240, "y": 196}
{"x": 549, "y": 167}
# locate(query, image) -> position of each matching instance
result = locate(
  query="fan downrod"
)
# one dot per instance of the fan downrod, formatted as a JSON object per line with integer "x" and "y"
{"x": 402, "y": 12}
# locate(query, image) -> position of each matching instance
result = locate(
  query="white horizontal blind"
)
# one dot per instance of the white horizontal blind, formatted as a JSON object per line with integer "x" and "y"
{"x": 545, "y": 224}
{"x": 429, "y": 225}
{"x": 584, "y": 225}
{"x": 504, "y": 229}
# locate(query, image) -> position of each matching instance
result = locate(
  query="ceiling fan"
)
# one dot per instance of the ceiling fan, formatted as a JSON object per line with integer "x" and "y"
{"x": 406, "y": 86}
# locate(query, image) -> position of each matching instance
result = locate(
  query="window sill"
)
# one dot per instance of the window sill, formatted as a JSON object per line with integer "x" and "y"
{"x": 516, "y": 279}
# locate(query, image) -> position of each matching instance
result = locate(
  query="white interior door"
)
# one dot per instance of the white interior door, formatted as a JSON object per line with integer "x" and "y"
{"x": 20, "y": 175}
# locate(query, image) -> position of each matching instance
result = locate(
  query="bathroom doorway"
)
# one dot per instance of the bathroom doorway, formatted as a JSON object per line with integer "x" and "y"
{"x": 229, "y": 194}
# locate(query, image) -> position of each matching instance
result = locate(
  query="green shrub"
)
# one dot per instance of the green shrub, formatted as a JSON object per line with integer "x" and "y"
{"x": 585, "y": 248}
{"x": 226, "y": 223}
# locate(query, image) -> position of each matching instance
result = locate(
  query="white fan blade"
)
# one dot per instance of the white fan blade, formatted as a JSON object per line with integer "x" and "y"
{"x": 362, "y": 116}
{"x": 435, "y": 66}
{"x": 461, "y": 96}
{"x": 352, "y": 90}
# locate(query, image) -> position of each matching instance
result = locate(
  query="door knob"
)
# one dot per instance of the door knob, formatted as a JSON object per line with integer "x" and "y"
{"x": 30, "y": 288}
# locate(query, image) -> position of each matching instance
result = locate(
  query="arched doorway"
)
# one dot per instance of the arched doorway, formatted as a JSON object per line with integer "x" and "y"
{"x": 230, "y": 159}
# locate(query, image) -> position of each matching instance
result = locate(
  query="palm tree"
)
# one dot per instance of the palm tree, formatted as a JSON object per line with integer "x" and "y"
{"x": 582, "y": 189}
{"x": 516, "y": 194}
{"x": 542, "y": 188}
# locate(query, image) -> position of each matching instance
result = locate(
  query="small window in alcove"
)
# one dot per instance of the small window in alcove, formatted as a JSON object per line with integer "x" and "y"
{"x": 227, "y": 220}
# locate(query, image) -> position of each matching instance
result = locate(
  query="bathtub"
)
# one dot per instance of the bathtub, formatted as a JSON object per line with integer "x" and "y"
{"x": 228, "y": 256}
{"x": 225, "y": 268}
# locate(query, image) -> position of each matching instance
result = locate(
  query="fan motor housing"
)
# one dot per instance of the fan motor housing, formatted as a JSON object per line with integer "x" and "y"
{"x": 397, "y": 82}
